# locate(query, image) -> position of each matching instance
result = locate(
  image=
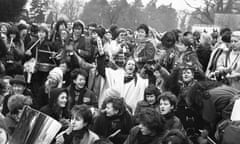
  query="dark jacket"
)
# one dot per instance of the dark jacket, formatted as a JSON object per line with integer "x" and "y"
{"x": 86, "y": 96}
{"x": 81, "y": 44}
{"x": 105, "y": 126}
{"x": 143, "y": 104}
{"x": 5, "y": 110}
{"x": 52, "y": 109}
{"x": 172, "y": 122}
{"x": 136, "y": 137}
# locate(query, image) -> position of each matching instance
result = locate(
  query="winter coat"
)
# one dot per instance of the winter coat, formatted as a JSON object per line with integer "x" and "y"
{"x": 105, "y": 126}
{"x": 52, "y": 109}
{"x": 86, "y": 96}
{"x": 89, "y": 137}
{"x": 136, "y": 137}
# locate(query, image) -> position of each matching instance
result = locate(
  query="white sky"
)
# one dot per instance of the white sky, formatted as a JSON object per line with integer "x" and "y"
{"x": 177, "y": 4}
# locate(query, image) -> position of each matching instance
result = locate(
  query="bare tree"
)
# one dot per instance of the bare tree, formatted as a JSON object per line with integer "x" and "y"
{"x": 205, "y": 14}
{"x": 72, "y": 9}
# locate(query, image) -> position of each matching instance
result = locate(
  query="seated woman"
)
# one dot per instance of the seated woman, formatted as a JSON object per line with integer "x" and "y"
{"x": 57, "y": 106}
{"x": 115, "y": 121}
{"x": 151, "y": 94}
{"x": 150, "y": 129}
{"x": 78, "y": 130}
{"x": 167, "y": 106}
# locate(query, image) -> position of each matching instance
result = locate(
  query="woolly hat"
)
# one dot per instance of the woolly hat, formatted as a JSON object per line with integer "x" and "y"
{"x": 56, "y": 74}
{"x": 17, "y": 102}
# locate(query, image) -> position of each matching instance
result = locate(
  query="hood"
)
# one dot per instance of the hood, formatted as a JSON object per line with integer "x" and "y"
{"x": 54, "y": 93}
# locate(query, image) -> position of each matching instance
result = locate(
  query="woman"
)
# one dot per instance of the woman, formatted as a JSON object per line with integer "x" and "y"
{"x": 115, "y": 121}
{"x": 15, "y": 52}
{"x": 150, "y": 129}
{"x": 125, "y": 80}
{"x": 167, "y": 106}
{"x": 151, "y": 94}
{"x": 78, "y": 131}
{"x": 57, "y": 106}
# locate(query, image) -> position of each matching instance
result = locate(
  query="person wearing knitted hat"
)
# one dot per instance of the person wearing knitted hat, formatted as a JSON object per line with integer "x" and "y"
{"x": 18, "y": 84}
{"x": 15, "y": 105}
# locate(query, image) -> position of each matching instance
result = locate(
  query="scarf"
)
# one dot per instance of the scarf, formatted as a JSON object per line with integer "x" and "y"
{"x": 78, "y": 135}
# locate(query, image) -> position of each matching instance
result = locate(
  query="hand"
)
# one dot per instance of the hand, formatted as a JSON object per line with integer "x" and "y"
{"x": 28, "y": 52}
{"x": 59, "y": 139}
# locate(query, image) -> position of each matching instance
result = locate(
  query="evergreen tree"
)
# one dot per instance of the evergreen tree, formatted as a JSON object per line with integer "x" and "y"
{"x": 11, "y": 9}
{"x": 38, "y": 10}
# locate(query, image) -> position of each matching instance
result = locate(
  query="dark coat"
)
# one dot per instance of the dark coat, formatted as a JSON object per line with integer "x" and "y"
{"x": 105, "y": 126}
{"x": 142, "y": 105}
{"x": 86, "y": 96}
{"x": 136, "y": 137}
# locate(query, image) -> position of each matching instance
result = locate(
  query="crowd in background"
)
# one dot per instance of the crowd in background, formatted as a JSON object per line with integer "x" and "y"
{"x": 121, "y": 86}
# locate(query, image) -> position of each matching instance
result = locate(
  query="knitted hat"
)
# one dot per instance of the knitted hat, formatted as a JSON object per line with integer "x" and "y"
{"x": 17, "y": 102}
{"x": 56, "y": 74}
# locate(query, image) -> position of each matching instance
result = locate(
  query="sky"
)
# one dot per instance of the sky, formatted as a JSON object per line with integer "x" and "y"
{"x": 177, "y": 4}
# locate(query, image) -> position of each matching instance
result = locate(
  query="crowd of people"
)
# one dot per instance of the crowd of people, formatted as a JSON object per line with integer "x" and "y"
{"x": 120, "y": 86}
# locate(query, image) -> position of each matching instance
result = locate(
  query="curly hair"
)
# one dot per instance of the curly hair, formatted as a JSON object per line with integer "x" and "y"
{"x": 152, "y": 120}
{"x": 199, "y": 91}
{"x": 118, "y": 103}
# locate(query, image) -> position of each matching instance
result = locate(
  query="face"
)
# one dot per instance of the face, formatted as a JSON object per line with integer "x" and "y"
{"x": 63, "y": 34}
{"x": 4, "y": 29}
{"x": 62, "y": 100}
{"x": 110, "y": 111}
{"x": 62, "y": 27}
{"x": 77, "y": 123}
{"x": 23, "y": 33}
{"x": 144, "y": 129}
{"x": 94, "y": 35}
{"x": 108, "y": 36}
{"x": 151, "y": 99}
{"x": 77, "y": 31}
{"x": 189, "y": 38}
{"x": 122, "y": 36}
{"x": 187, "y": 75}
{"x": 79, "y": 82}
{"x": 157, "y": 74}
{"x": 18, "y": 88}
{"x": 165, "y": 107}
{"x": 42, "y": 35}
{"x": 141, "y": 33}
{"x": 63, "y": 66}
{"x": 130, "y": 66}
